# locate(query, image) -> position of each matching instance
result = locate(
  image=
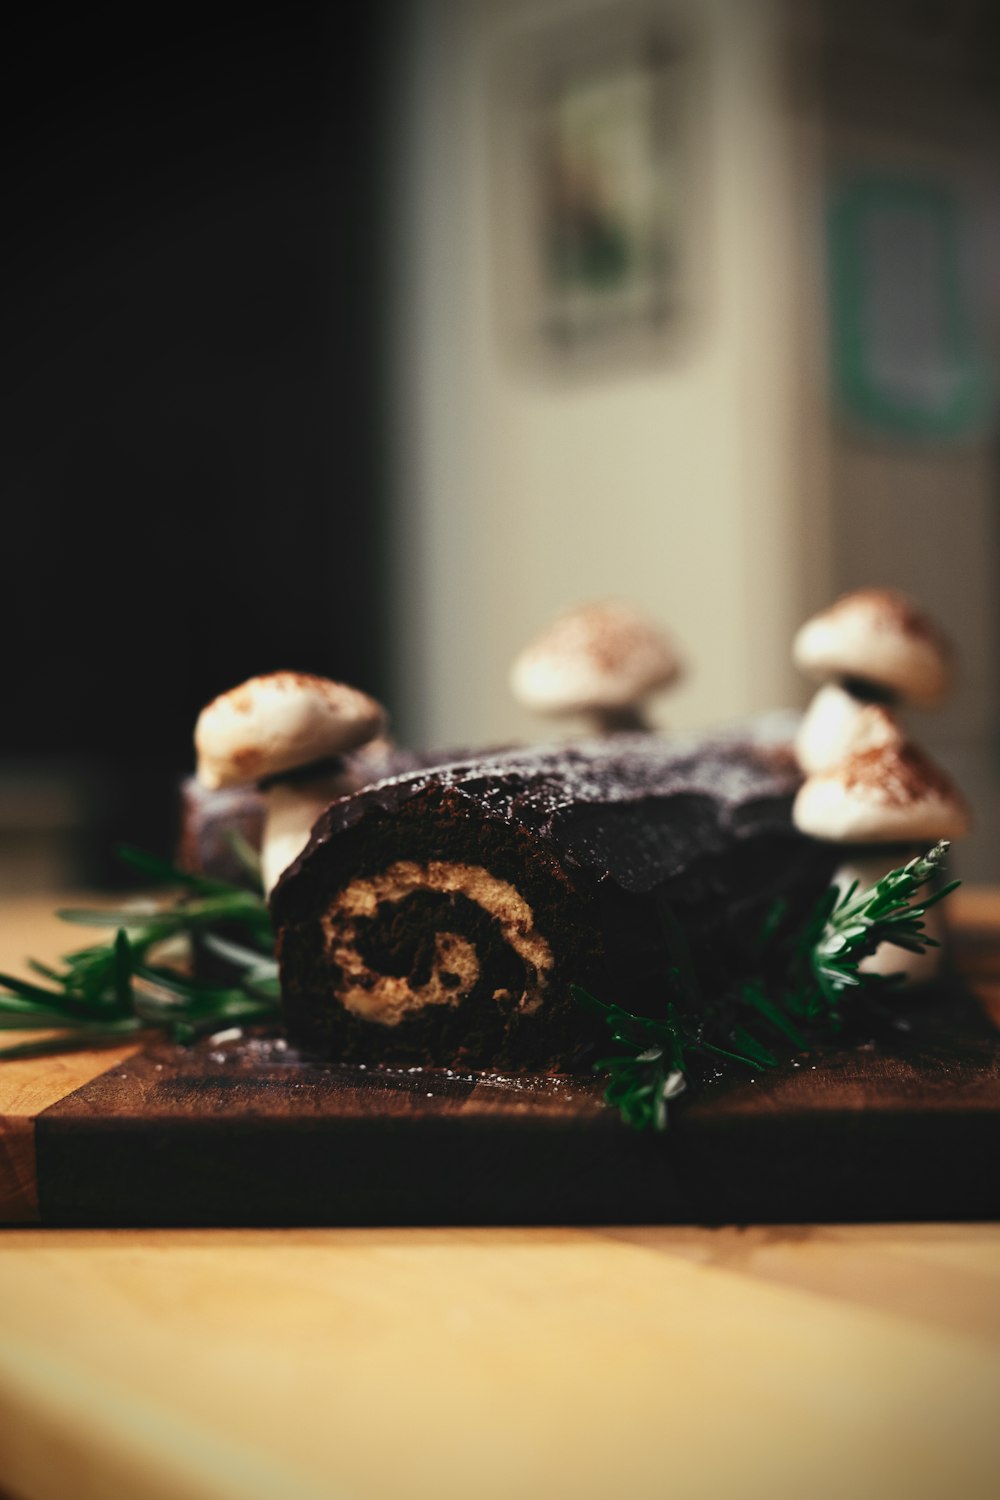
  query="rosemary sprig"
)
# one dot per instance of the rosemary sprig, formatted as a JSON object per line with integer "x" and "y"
{"x": 817, "y": 968}
{"x": 111, "y": 989}
{"x": 859, "y": 921}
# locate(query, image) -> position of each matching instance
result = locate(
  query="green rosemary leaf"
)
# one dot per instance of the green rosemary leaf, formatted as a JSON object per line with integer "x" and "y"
{"x": 90, "y": 917}
{"x": 28, "y": 991}
{"x": 640, "y": 1033}
{"x": 811, "y": 974}
{"x": 123, "y": 970}
{"x": 180, "y": 985}
{"x": 45, "y": 970}
{"x": 27, "y": 998}
{"x": 116, "y": 987}
{"x": 774, "y": 1014}
{"x": 92, "y": 974}
{"x": 37, "y": 1018}
{"x": 749, "y": 1058}
{"x": 744, "y": 1049}
{"x": 80, "y": 1039}
{"x": 860, "y": 921}
{"x": 237, "y": 954}
{"x": 639, "y": 1088}
{"x": 247, "y": 856}
{"x": 191, "y": 1025}
{"x": 622, "y": 1087}
{"x": 912, "y": 944}
{"x": 939, "y": 895}
{"x": 749, "y": 1047}
{"x": 265, "y": 987}
{"x": 165, "y": 873}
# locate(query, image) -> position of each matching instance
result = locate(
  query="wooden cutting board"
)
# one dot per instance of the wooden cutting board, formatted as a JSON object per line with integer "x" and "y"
{"x": 244, "y": 1131}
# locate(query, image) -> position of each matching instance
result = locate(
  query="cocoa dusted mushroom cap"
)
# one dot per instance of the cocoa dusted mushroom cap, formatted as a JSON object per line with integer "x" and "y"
{"x": 836, "y": 725}
{"x": 600, "y": 660}
{"x": 879, "y": 644}
{"x": 890, "y": 794}
{"x": 278, "y": 723}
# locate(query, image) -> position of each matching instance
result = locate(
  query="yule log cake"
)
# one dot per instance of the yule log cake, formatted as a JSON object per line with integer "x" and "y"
{"x": 444, "y": 916}
{"x": 452, "y": 912}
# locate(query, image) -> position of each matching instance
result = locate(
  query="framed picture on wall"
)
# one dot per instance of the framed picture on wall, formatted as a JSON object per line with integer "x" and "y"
{"x": 905, "y": 298}
{"x": 590, "y": 238}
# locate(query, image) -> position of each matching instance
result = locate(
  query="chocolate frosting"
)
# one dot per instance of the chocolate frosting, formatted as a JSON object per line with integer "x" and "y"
{"x": 627, "y": 850}
{"x": 696, "y": 793}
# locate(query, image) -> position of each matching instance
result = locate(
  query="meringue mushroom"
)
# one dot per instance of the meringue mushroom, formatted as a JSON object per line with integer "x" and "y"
{"x": 836, "y": 725}
{"x": 881, "y": 646}
{"x": 600, "y": 660}
{"x": 890, "y": 794}
{"x": 284, "y": 731}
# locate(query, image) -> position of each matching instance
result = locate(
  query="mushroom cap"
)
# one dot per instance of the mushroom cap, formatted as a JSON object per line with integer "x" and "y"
{"x": 280, "y": 722}
{"x": 598, "y": 656}
{"x": 880, "y": 635}
{"x": 836, "y": 725}
{"x": 889, "y": 794}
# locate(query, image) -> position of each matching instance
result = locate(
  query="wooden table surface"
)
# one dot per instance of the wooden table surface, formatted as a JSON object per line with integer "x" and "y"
{"x": 859, "y": 1361}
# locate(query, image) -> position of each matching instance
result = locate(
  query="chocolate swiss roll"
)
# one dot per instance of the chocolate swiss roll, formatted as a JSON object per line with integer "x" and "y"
{"x": 442, "y": 917}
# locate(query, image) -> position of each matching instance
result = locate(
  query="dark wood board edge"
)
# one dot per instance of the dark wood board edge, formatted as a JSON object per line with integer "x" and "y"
{"x": 18, "y": 1171}
{"x": 289, "y": 1178}
{"x": 29, "y": 1086}
{"x": 903, "y": 1131}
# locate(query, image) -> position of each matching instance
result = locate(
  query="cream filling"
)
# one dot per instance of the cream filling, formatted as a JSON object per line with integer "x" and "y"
{"x": 389, "y": 998}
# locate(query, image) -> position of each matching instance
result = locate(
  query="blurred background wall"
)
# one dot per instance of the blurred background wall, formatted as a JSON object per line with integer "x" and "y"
{"x": 651, "y": 460}
{"x": 362, "y": 339}
{"x": 781, "y": 389}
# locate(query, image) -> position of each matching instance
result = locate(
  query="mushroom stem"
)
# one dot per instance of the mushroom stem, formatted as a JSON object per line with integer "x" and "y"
{"x": 626, "y": 720}
{"x": 291, "y": 808}
{"x": 867, "y": 691}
